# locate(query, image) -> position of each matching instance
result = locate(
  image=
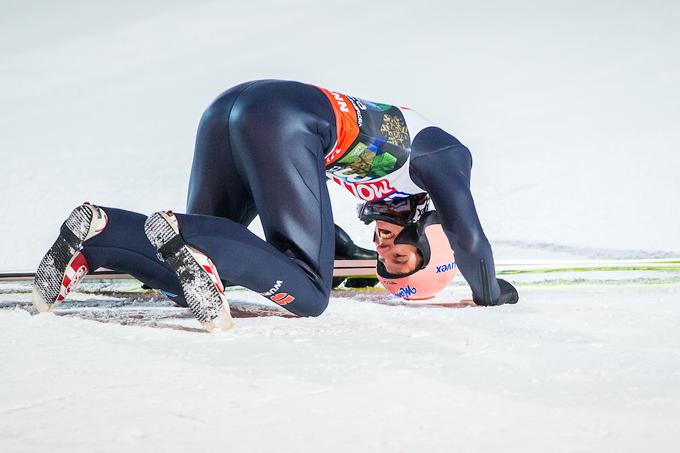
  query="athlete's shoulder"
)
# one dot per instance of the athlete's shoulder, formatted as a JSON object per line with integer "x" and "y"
{"x": 415, "y": 121}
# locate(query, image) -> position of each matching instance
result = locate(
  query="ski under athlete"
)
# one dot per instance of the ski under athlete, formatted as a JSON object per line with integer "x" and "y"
{"x": 266, "y": 148}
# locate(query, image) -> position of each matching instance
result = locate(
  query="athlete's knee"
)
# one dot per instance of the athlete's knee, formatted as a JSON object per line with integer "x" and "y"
{"x": 310, "y": 305}
{"x": 315, "y": 308}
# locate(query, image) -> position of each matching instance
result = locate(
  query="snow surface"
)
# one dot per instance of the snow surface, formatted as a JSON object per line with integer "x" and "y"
{"x": 571, "y": 111}
{"x": 567, "y": 369}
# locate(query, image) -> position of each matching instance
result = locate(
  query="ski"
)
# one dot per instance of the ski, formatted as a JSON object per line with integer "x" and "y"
{"x": 510, "y": 267}
{"x": 342, "y": 268}
{"x": 107, "y": 296}
{"x": 366, "y": 268}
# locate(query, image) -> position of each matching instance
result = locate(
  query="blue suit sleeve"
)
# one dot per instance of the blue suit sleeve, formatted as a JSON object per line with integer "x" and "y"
{"x": 441, "y": 166}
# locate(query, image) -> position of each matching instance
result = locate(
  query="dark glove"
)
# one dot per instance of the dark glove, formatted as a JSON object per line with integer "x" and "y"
{"x": 355, "y": 282}
{"x": 361, "y": 282}
{"x": 508, "y": 295}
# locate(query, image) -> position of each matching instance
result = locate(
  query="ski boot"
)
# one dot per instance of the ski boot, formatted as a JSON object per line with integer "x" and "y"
{"x": 64, "y": 265}
{"x": 201, "y": 284}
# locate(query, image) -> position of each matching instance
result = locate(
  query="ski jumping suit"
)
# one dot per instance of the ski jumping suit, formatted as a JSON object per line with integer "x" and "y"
{"x": 266, "y": 148}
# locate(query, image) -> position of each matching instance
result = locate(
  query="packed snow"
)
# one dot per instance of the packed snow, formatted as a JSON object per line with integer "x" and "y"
{"x": 567, "y": 369}
{"x": 570, "y": 110}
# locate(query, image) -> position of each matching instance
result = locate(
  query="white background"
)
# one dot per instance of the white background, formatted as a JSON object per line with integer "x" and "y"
{"x": 571, "y": 109}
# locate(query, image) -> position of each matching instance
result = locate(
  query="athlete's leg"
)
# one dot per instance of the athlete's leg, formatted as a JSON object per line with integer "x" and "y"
{"x": 280, "y": 159}
{"x": 283, "y": 166}
{"x": 245, "y": 259}
{"x": 239, "y": 255}
{"x": 216, "y": 188}
{"x": 122, "y": 246}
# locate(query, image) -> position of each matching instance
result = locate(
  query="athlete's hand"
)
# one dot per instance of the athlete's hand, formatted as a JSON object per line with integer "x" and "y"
{"x": 508, "y": 295}
{"x": 355, "y": 282}
{"x": 361, "y": 282}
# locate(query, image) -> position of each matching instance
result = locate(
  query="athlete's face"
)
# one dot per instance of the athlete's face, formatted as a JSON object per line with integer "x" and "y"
{"x": 397, "y": 258}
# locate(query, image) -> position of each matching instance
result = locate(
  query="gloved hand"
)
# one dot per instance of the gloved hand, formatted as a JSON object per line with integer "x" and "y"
{"x": 355, "y": 282}
{"x": 361, "y": 282}
{"x": 508, "y": 295}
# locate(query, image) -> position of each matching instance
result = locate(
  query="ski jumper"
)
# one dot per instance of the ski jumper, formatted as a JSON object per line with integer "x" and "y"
{"x": 266, "y": 148}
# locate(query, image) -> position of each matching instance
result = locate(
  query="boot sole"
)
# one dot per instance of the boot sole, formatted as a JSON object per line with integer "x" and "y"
{"x": 197, "y": 274}
{"x": 64, "y": 265}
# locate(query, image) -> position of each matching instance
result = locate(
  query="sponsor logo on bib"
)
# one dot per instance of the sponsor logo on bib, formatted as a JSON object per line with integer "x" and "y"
{"x": 365, "y": 189}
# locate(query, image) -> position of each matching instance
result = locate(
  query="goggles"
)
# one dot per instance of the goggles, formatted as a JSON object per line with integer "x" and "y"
{"x": 402, "y": 211}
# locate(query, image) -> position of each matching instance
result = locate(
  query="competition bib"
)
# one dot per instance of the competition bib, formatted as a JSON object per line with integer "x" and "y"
{"x": 370, "y": 157}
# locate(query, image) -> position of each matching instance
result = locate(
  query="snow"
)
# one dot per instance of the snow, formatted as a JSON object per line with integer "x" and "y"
{"x": 570, "y": 110}
{"x": 548, "y": 374}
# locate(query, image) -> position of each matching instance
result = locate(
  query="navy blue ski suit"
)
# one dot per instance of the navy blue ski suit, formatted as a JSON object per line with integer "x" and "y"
{"x": 260, "y": 150}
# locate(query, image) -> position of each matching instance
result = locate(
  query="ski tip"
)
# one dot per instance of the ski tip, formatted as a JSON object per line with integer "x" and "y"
{"x": 39, "y": 303}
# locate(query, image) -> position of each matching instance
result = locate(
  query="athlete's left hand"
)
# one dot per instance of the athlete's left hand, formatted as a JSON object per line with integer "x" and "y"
{"x": 361, "y": 282}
